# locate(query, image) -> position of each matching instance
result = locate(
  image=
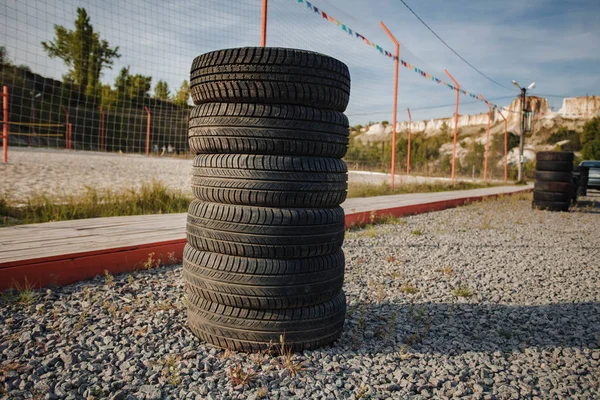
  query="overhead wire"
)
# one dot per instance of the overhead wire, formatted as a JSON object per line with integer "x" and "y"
{"x": 451, "y": 49}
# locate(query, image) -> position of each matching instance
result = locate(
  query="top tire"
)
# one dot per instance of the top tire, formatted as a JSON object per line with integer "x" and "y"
{"x": 270, "y": 75}
{"x": 554, "y": 156}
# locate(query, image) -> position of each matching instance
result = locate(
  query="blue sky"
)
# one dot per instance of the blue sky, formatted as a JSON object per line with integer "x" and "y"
{"x": 554, "y": 43}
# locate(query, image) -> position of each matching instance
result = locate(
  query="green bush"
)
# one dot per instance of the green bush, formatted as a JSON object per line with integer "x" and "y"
{"x": 591, "y": 150}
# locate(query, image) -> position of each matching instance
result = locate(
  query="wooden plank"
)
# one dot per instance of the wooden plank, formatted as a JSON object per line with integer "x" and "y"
{"x": 80, "y": 248}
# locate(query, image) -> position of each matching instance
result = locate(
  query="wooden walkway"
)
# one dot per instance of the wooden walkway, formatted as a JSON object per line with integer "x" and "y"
{"x": 69, "y": 251}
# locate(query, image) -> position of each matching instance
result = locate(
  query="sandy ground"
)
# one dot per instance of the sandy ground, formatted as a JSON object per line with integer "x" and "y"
{"x": 32, "y": 171}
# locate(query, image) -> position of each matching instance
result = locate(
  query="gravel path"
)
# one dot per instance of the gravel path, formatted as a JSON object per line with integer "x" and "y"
{"x": 492, "y": 301}
{"x": 32, "y": 171}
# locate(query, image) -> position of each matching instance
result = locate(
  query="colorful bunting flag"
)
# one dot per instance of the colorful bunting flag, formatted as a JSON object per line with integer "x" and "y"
{"x": 345, "y": 28}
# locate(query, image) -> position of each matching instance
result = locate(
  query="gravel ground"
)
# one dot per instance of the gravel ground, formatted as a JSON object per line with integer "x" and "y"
{"x": 492, "y": 301}
{"x": 32, "y": 171}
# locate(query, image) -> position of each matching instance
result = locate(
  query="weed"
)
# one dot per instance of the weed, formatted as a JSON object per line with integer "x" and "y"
{"x": 172, "y": 260}
{"x": 238, "y": 376}
{"x": 380, "y": 294}
{"x": 362, "y": 392}
{"x": 171, "y": 370}
{"x": 403, "y": 354}
{"x": 407, "y": 288}
{"x": 287, "y": 362}
{"x": 370, "y": 232}
{"x": 130, "y": 279}
{"x": 111, "y": 307}
{"x": 262, "y": 392}
{"x": 390, "y": 259}
{"x": 154, "y": 198}
{"x": 110, "y": 280}
{"x": 462, "y": 291}
{"x": 417, "y": 232}
{"x": 150, "y": 262}
{"x": 369, "y": 190}
{"x": 395, "y": 274}
{"x": 446, "y": 271}
{"x": 23, "y": 294}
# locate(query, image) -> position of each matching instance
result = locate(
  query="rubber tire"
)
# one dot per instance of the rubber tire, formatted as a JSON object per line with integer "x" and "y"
{"x": 249, "y": 330}
{"x": 558, "y": 187}
{"x": 564, "y": 166}
{"x": 539, "y": 195}
{"x": 270, "y": 181}
{"x": 205, "y": 278}
{"x": 270, "y": 75}
{"x": 277, "y": 129}
{"x": 261, "y": 232}
{"x": 556, "y": 176}
{"x": 555, "y": 156}
{"x": 552, "y": 205}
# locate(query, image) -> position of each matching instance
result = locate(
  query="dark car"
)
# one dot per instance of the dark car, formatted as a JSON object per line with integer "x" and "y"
{"x": 594, "y": 176}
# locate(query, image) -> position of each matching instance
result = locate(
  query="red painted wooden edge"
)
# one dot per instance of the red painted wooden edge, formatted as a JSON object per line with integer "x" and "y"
{"x": 70, "y": 268}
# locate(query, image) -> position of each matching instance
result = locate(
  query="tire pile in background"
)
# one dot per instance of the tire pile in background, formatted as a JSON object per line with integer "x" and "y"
{"x": 554, "y": 188}
{"x": 265, "y": 231}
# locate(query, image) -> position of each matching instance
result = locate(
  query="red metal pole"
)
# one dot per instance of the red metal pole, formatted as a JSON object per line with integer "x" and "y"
{"x": 101, "y": 128}
{"x": 487, "y": 139}
{"x": 147, "y": 132}
{"x": 70, "y": 137}
{"x": 67, "y": 123}
{"x": 408, "y": 154}
{"x": 263, "y": 29}
{"x": 395, "y": 101}
{"x": 505, "y": 149}
{"x": 5, "y": 124}
{"x": 457, "y": 86}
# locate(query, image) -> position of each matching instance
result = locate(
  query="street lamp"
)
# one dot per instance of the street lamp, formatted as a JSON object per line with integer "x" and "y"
{"x": 522, "y": 138}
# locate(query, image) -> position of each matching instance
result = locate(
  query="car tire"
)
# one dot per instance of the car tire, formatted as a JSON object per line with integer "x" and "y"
{"x": 270, "y": 181}
{"x": 258, "y": 283}
{"x": 262, "y": 232}
{"x": 268, "y": 129}
{"x": 250, "y": 330}
{"x": 564, "y": 156}
{"x": 270, "y": 76}
{"x": 556, "y": 176}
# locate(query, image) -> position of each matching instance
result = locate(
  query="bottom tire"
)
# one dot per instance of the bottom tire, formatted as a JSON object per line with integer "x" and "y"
{"x": 250, "y": 330}
{"x": 540, "y": 195}
{"x": 551, "y": 205}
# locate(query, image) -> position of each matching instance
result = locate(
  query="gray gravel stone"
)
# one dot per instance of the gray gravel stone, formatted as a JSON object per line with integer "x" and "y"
{"x": 492, "y": 301}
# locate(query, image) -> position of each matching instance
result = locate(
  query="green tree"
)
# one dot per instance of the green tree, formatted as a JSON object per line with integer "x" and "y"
{"x": 83, "y": 52}
{"x": 4, "y": 56}
{"x": 445, "y": 129}
{"x": 591, "y": 131}
{"x": 132, "y": 87}
{"x": 161, "y": 90}
{"x": 591, "y": 150}
{"x": 183, "y": 94}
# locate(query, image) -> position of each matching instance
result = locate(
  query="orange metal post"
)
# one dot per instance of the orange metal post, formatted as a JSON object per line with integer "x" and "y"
{"x": 408, "y": 154}
{"x": 5, "y": 124}
{"x": 70, "y": 137}
{"x": 455, "y": 122}
{"x": 101, "y": 128}
{"x": 147, "y": 131}
{"x": 505, "y": 149}
{"x": 66, "y": 124}
{"x": 395, "y": 101}
{"x": 487, "y": 139}
{"x": 263, "y": 29}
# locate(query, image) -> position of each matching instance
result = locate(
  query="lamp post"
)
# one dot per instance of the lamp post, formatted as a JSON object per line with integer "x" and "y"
{"x": 522, "y": 138}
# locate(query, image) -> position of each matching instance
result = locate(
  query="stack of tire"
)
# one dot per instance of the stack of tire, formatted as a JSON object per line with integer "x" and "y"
{"x": 554, "y": 188}
{"x": 263, "y": 260}
{"x": 584, "y": 175}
